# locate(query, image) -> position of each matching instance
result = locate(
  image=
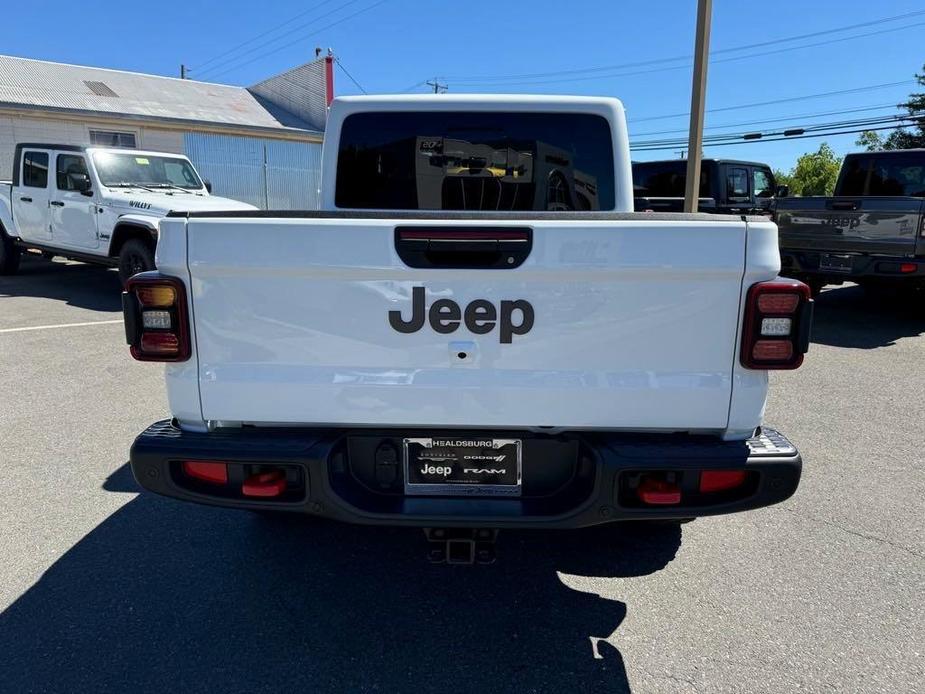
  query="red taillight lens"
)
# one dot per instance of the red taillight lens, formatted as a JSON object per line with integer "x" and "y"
{"x": 908, "y": 267}
{"x": 159, "y": 343}
{"x": 772, "y": 350}
{"x": 782, "y": 310}
{"x": 156, "y": 318}
{"x": 721, "y": 480}
{"x": 778, "y": 303}
{"x": 213, "y": 473}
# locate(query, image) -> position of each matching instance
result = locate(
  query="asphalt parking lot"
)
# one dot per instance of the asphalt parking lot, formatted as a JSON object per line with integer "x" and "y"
{"x": 103, "y": 589}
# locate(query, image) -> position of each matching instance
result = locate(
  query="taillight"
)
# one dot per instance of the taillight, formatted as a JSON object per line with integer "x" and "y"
{"x": 775, "y": 333}
{"x": 156, "y": 318}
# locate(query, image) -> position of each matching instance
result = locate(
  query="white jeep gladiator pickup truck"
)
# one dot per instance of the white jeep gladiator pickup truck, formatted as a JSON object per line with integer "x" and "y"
{"x": 96, "y": 205}
{"x": 477, "y": 332}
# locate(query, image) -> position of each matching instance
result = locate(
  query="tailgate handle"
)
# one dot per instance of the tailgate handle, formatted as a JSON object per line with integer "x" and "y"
{"x": 486, "y": 248}
{"x": 845, "y": 204}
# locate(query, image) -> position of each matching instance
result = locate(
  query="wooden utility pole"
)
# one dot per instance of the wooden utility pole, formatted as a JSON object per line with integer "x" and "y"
{"x": 438, "y": 88}
{"x": 698, "y": 97}
{"x": 182, "y": 71}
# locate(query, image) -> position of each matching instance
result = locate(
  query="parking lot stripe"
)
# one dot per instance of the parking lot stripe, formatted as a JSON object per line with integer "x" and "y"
{"x": 59, "y": 325}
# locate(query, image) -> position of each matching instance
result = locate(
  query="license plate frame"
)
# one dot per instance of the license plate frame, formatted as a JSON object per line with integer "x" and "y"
{"x": 836, "y": 262}
{"x": 451, "y": 452}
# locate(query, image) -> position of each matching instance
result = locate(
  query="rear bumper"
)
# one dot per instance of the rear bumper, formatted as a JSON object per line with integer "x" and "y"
{"x": 597, "y": 482}
{"x": 798, "y": 263}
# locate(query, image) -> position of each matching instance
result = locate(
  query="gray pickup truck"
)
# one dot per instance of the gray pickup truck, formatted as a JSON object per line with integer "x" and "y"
{"x": 871, "y": 232}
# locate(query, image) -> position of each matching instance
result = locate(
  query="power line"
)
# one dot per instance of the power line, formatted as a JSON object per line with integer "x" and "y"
{"x": 352, "y": 79}
{"x": 821, "y": 130}
{"x": 605, "y": 68}
{"x": 720, "y": 137}
{"x": 683, "y": 66}
{"x": 298, "y": 40}
{"x": 870, "y": 120}
{"x": 770, "y": 120}
{"x": 261, "y": 35}
{"x": 780, "y": 139}
{"x": 294, "y": 30}
{"x": 413, "y": 86}
{"x": 853, "y": 90}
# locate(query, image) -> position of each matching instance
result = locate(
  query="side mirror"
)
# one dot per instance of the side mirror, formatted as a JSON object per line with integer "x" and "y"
{"x": 783, "y": 191}
{"x": 208, "y": 184}
{"x": 80, "y": 182}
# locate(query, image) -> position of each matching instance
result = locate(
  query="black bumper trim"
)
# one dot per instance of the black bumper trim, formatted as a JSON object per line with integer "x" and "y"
{"x": 805, "y": 263}
{"x": 770, "y": 459}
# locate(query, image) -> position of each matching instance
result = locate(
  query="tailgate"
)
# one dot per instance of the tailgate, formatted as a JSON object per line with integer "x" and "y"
{"x": 312, "y": 320}
{"x": 878, "y": 225}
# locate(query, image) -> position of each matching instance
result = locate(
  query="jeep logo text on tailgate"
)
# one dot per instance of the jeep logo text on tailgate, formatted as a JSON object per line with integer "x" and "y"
{"x": 480, "y": 316}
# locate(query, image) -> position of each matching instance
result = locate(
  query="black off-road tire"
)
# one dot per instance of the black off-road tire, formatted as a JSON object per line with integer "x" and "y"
{"x": 10, "y": 254}
{"x": 135, "y": 256}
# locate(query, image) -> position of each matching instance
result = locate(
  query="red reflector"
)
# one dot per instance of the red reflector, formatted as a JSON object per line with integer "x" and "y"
{"x": 720, "y": 480}
{"x": 159, "y": 343}
{"x": 778, "y": 303}
{"x": 214, "y": 473}
{"x": 772, "y": 350}
{"x": 265, "y": 484}
{"x": 658, "y": 492}
{"x": 908, "y": 267}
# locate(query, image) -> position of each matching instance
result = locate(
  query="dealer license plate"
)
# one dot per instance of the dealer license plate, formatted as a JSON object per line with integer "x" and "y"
{"x": 836, "y": 263}
{"x": 462, "y": 466}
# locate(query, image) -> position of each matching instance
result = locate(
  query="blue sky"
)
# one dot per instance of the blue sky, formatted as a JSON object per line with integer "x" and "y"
{"x": 391, "y": 45}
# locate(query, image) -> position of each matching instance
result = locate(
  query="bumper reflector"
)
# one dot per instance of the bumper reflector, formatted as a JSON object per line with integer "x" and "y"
{"x": 658, "y": 492}
{"x": 213, "y": 473}
{"x": 265, "y": 484}
{"x": 720, "y": 480}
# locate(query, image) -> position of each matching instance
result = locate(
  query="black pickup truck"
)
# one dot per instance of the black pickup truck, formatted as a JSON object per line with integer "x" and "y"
{"x": 871, "y": 232}
{"x": 727, "y": 186}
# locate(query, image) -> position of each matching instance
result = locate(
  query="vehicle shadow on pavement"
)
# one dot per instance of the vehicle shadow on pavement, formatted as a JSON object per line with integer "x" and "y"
{"x": 849, "y": 317}
{"x": 83, "y": 286}
{"x": 165, "y": 596}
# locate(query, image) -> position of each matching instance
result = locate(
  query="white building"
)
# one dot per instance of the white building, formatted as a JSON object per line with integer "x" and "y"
{"x": 260, "y": 144}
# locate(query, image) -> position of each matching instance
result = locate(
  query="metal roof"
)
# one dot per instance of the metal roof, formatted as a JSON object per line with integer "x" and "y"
{"x": 37, "y": 84}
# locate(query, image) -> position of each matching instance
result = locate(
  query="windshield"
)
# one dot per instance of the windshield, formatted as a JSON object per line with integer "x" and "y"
{"x": 148, "y": 171}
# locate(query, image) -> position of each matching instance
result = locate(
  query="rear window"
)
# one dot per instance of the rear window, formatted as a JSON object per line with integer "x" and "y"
{"x": 475, "y": 161}
{"x": 884, "y": 174}
{"x": 665, "y": 179}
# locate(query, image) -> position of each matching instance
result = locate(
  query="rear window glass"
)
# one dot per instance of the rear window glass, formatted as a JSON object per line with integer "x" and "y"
{"x": 35, "y": 169}
{"x": 665, "y": 179}
{"x": 475, "y": 161}
{"x": 884, "y": 174}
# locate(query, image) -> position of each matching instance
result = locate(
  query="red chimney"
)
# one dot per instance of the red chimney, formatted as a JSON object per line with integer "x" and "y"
{"x": 329, "y": 79}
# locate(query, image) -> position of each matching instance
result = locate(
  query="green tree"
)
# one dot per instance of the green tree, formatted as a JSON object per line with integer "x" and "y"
{"x": 815, "y": 172}
{"x": 870, "y": 140}
{"x": 902, "y": 138}
{"x": 783, "y": 179}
